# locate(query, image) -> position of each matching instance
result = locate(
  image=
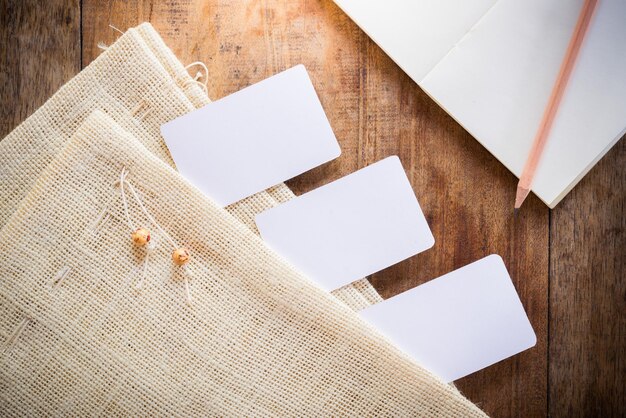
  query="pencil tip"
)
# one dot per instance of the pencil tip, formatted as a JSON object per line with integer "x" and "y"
{"x": 520, "y": 196}
{"x": 515, "y": 212}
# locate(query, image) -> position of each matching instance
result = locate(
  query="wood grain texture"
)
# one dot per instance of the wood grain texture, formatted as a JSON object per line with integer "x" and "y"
{"x": 467, "y": 196}
{"x": 588, "y": 294}
{"x": 40, "y": 51}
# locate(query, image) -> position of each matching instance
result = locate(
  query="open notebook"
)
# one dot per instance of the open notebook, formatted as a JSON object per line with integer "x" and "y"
{"x": 491, "y": 65}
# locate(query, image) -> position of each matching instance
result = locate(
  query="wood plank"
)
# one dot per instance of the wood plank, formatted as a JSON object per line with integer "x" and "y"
{"x": 375, "y": 111}
{"x": 587, "y": 294}
{"x": 39, "y": 52}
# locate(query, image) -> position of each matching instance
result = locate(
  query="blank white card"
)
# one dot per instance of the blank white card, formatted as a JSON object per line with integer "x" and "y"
{"x": 458, "y": 323}
{"x": 253, "y": 139}
{"x": 350, "y": 228}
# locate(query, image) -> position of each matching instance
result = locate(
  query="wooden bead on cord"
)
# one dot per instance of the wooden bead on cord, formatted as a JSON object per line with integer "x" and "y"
{"x": 140, "y": 237}
{"x": 180, "y": 256}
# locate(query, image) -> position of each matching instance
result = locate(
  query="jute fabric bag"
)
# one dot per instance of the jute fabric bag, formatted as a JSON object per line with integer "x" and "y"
{"x": 257, "y": 339}
{"x": 139, "y": 82}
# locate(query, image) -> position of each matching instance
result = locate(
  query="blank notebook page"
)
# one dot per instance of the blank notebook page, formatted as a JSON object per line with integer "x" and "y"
{"x": 497, "y": 80}
{"x": 492, "y": 64}
{"x": 416, "y": 34}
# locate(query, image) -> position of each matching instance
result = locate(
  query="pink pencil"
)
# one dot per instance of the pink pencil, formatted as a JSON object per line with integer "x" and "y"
{"x": 525, "y": 181}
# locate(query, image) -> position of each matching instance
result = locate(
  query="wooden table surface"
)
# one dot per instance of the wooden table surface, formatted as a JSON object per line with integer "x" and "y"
{"x": 568, "y": 264}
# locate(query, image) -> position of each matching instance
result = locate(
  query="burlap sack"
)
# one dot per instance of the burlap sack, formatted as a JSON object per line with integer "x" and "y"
{"x": 139, "y": 82}
{"x": 258, "y": 338}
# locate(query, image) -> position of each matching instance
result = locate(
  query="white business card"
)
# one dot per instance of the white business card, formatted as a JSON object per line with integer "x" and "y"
{"x": 350, "y": 228}
{"x": 253, "y": 139}
{"x": 458, "y": 323}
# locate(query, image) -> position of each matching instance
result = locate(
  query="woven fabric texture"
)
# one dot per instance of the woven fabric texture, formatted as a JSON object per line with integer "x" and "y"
{"x": 139, "y": 82}
{"x": 258, "y": 339}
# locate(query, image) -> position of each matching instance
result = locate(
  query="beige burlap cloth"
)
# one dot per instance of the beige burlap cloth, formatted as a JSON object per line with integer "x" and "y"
{"x": 258, "y": 339}
{"x": 138, "y": 82}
